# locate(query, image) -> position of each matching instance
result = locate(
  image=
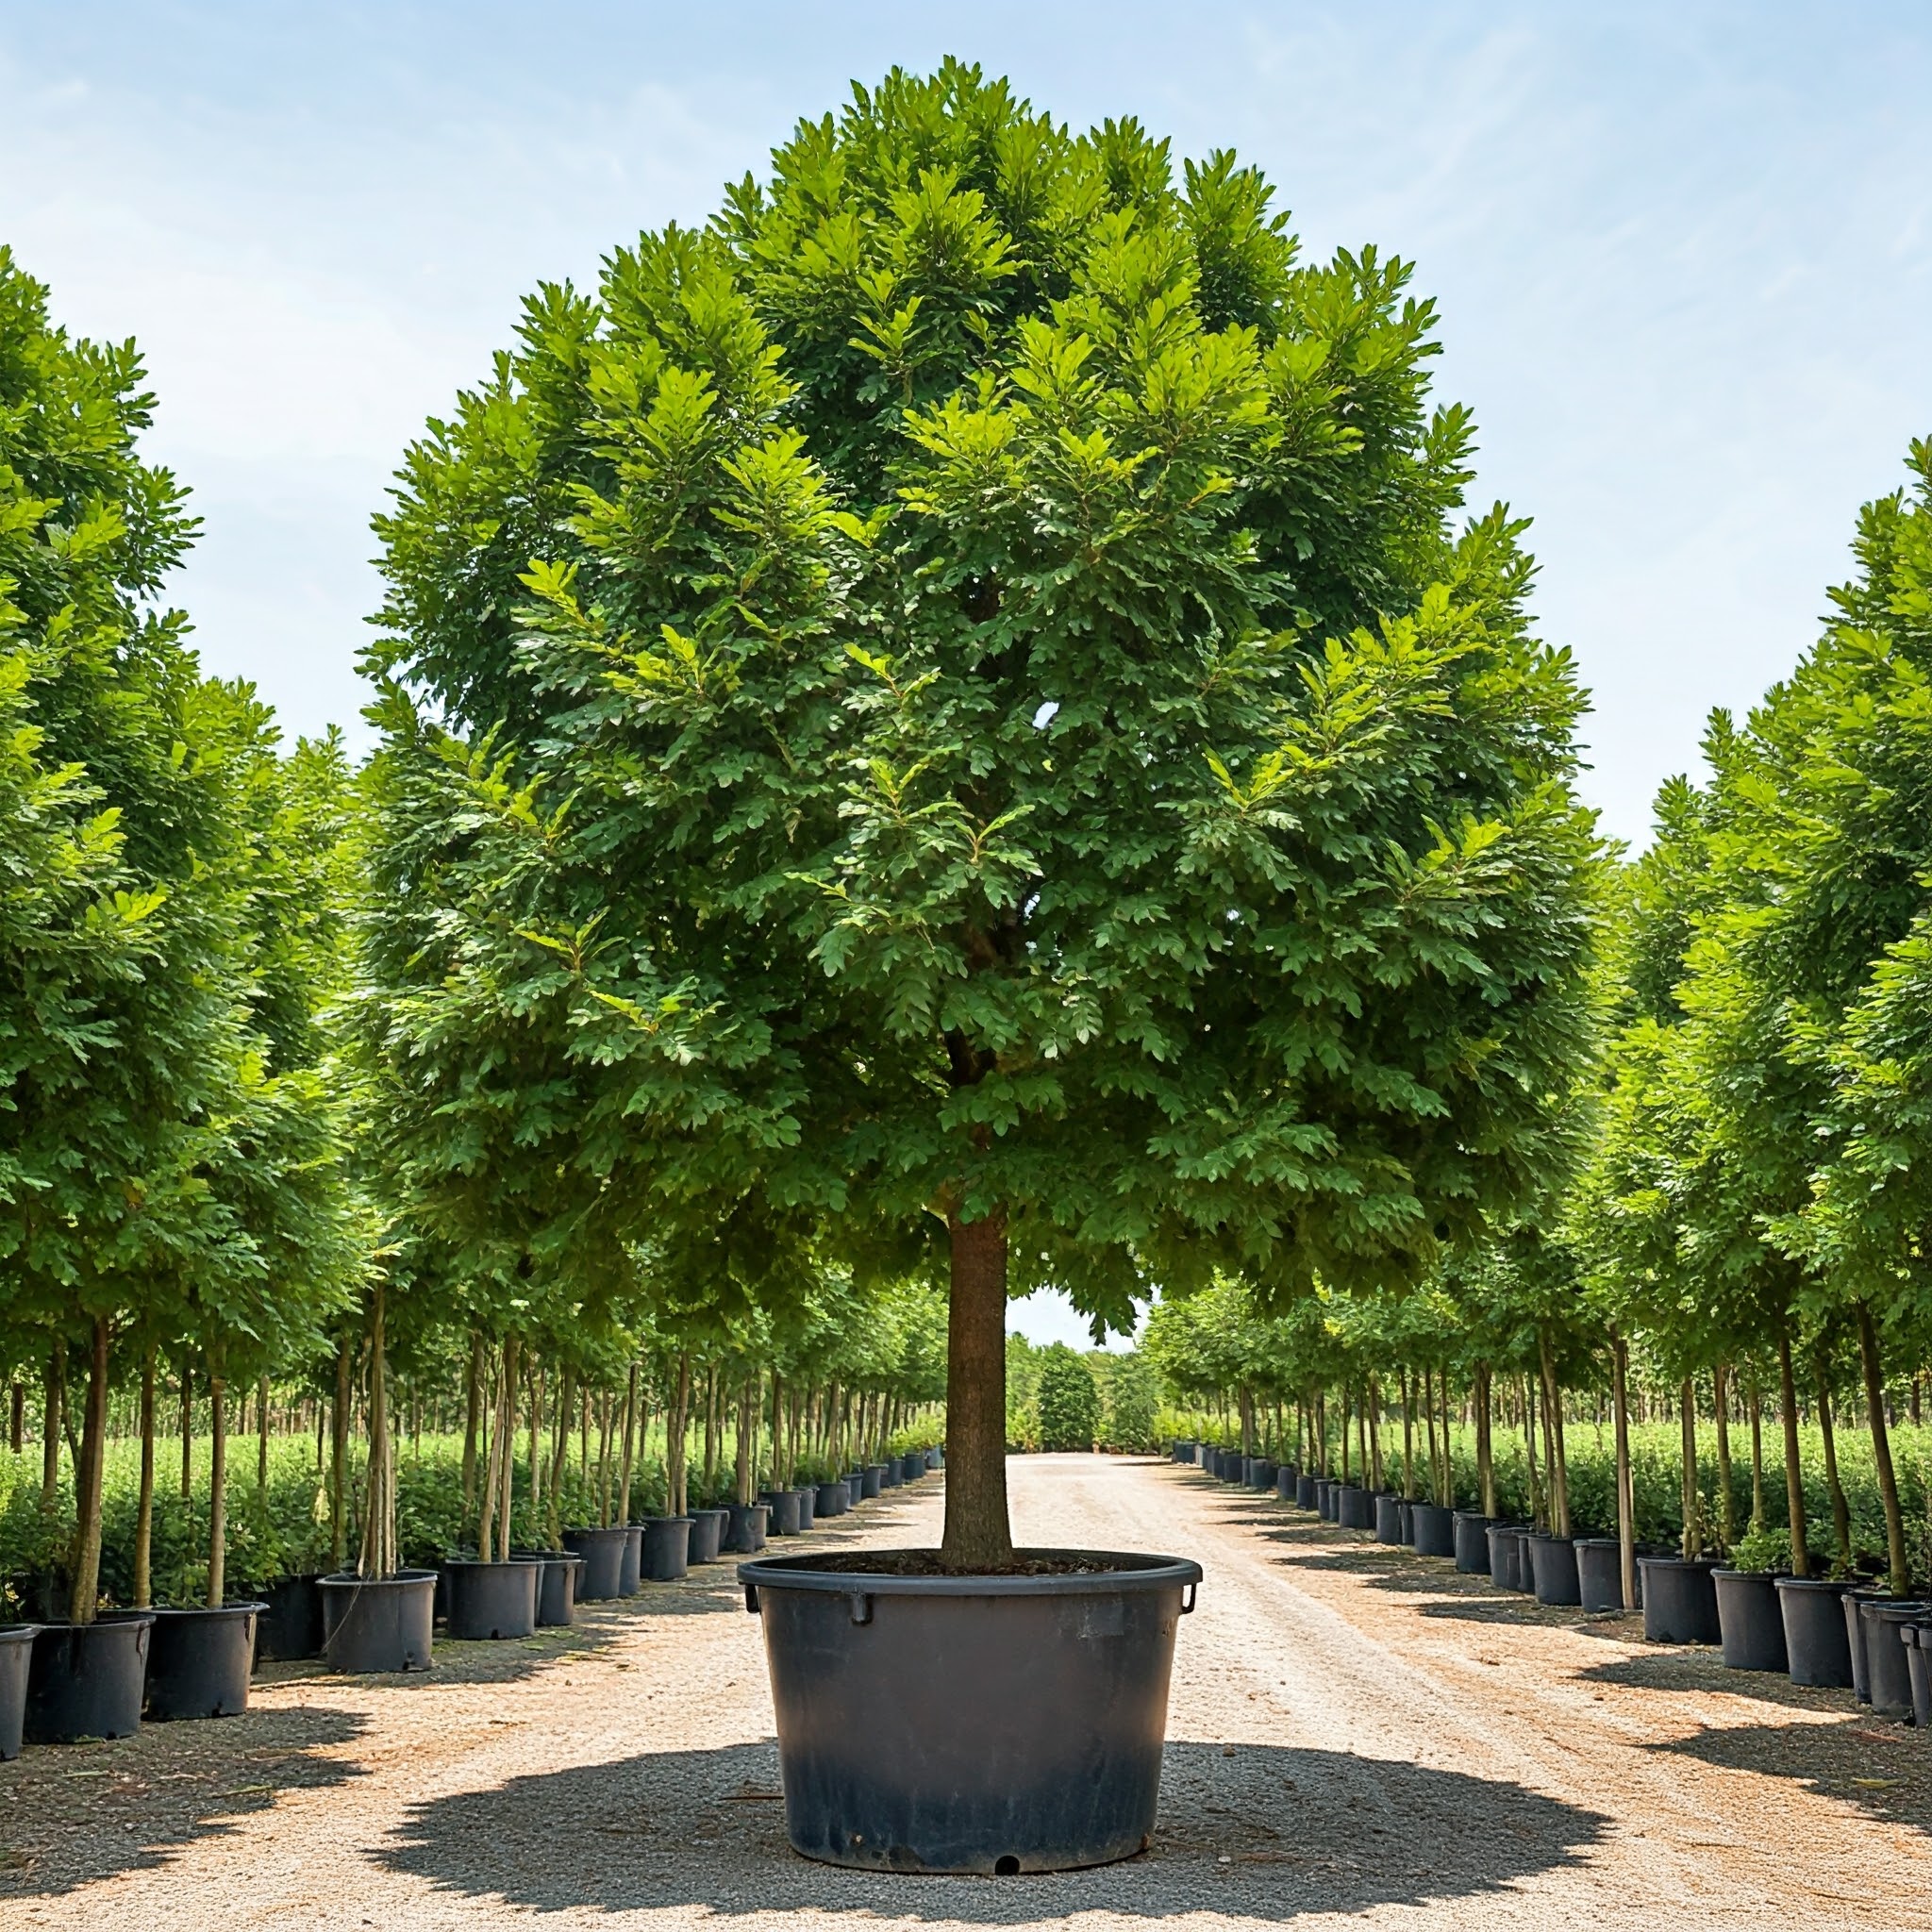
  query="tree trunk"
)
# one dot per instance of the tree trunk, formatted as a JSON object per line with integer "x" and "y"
{"x": 1626, "y": 1499}
{"x": 1553, "y": 1439}
{"x": 1407, "y": 1437}
{"x": 560, "y": 1457}
{"x": 489, "y": 1440}
{"x": 979, "y": 1535}
{"x": 52, "y": 1394}
{"x": 1376, "y": 1435}
{"x": 187, "y": 1424}
{"x": 1794, "y": 1467}
{"x": 712, "y": 1432}
{"x": 378, "y": 1557}
{"x": 506, "y": 1446}
{"x": 742, "y": 1472}
{"x": 217, "y": 1490}
{"x": 1881, "y": 1448}
{"x": 144, "y": 1507}
{"x": 1756, "y": 1408}
{"x": 87, "y": 1470}
{"x": 676, "y": 1428}
{"x": 473, "y": 1401}
{"x": 1535, "y": 1489}
{"x": 1694, "y": 1526}
{"x": 1485, "y": 1450}
{"x": 261, "y": 1394}
{"x": 630, "y": 1439}
{"x": 1840, "y": 1514}
{"x": 338, "y": 1464}
{"x": 16, "y": 1433}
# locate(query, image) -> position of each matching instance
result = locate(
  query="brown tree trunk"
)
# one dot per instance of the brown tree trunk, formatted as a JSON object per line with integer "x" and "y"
{"x": 187, "y": 1424}
{"x": 1840, "y": 1513}
{"x": 630, "y": 1441}
{"x": 144, "y": 1507}
{"x": 16, "y": 1433}
{"x": 1694, "y": 1525}
{"x": 1881, "y": 1448}
{"x": 1553, "y": 1447}
{"x": 217, "y": 1492}
{"x": 979, "y": 1532}
{"x": 1721, "y": 1399}
{"x": 88, "y": 1469}
{"x": 262, "y": 1439}
{"x": 1485, "y": 1447}
{"x": 1756, "y": 1409}
{"x": 473, "y": 1403}
{"x": 1408, "y": 1439}
{"x": 1626, "y": 1497}
{"x": 53, "y": 1393}
{"x": 1794, "y": 1467}
{"x": 338, "y": 1464}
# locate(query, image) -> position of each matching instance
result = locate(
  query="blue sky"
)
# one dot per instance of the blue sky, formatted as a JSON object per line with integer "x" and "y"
{"x": 1683, "y": 254}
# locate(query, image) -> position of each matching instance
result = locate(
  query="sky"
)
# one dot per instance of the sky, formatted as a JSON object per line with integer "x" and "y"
{"x": 1682, "y": 254}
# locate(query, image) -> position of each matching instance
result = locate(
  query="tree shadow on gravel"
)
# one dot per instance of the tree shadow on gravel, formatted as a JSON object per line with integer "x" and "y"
{"x": 72, "y": 1813}
{"x": 1252, "y": 1831}
{"x": 1700, "y": 1667}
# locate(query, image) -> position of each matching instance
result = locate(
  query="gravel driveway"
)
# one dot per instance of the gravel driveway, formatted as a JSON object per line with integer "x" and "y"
{"x": 1355, "y": 1739}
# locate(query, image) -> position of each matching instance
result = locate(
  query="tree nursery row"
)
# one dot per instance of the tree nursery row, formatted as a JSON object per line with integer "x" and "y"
{"x": 949, "y": 732}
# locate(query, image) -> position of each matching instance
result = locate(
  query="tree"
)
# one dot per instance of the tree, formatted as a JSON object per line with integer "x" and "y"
{"x": 1019, "y": 766}
{"x": 1069, "y": 1400}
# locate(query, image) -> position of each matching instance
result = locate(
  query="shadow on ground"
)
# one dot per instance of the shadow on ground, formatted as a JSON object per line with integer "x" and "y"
{"x": 1255, "y": 1830}
{"x": 72, "y": 1813}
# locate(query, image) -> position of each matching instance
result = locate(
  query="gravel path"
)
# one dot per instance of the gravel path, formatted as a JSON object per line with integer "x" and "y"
{"x": 1355, "y": 1739}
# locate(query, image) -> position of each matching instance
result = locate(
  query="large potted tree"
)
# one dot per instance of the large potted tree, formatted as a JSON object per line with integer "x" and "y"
{"x": 999, "y": 751}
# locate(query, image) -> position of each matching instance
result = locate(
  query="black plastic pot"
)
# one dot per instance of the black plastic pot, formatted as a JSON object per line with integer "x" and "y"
{"x": 1305, "y": 1493}
{"x": 1472, "y": 1542}
{"x": 1263, "y": 1476}
{"x": 1818, "y": 1647}
{"x": 832, "y": 1499}
{"x": 556, "y": 1587}
{"x": 1888, "y": 1674}
{"x": 783, "y": 1504}
{"x": 936, "y": 1458}
{"x": 667, "y": 1547}
{"x": 1404, "y": 1521}
{"x": 854, "y": 1487}
{"x": 890, "y": 1476}
{"x": 1356, "y": 1509}
{"x": 1323, "y": 1488}
{"x": 491, "y": 1602}
{"x": 1917, "y": 1639}
{"x": 378, "y": 1625}
{"x": 1287, "y": 1480}
{"x": 1505, "y": 1553}
{"x": 872, "y": 1479}
{"x": 16, "y": 1663}
{"x": 746, "y": 1534}
{"x": 1849, "y": 1603}
{"x": 1183, "y": 1449}
{"x": 1553, "y": 1564}
{"x": 1599, "y": 1572}
{"x": 1233, "y": 1467}
{"x": 1435, "y": 1529}
{"x": 603, "y": 1551}
{"x": 1388, "y": 1519}
{"x": 1751, "y": 1626}
{"x": 198, "y": 1661}
{"x": 86, "y": 1680}
{"x": 1679, "y": 1599}
{"x": 708, "y": 1527}
{"x": 289, "y": 1626}
{"x": 1036, "y": 1748}
{"x": 912, "y": 1465}
{"x": 632, "y": 1572}
{"x": 808, "y": 1505}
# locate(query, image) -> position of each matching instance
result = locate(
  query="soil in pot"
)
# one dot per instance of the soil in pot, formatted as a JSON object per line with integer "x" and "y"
{"x": 199, "y": 1660}
{"x": 289, "y": 1626}
{"x": 667, "y": 1548}
{"x": 1472, "y": 1543}
{"x": 1889, "y": 1675}
{"x": 378, "y": 1626}
{"x": 745, "y": 1536}
{"x": 1599, "y": 1572}
{"x": 491, "y": 1602}
{"x": 1553, "y": 1564}
{"x": 1036, "y": 1750}
{"x": 708, "y": 1528}
{"x": 1817, "y": 1644}
{"x": 1388, "y": 1519}
{"x": 1751, "y": 1626}
{"x": 87, "y": 1680}
{"x": 16, "y": 1662}
{"x": 556, "y": 1587}
{"x": 1435, "y": 1529}
{"x": 1679, "y": 1599}
{"x": 603, "y": 1551}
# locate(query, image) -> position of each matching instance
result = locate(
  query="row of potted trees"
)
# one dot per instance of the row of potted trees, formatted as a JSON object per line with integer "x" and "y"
{"x": 1824, "y": 1632}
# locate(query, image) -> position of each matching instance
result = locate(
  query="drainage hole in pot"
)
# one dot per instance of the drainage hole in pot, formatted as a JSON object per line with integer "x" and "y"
{"x": 1008, "y": 1867}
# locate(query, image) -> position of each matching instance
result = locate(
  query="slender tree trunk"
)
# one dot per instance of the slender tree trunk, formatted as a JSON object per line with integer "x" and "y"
{"x": 1840, "y": 1514}
{"x": 604, "y": 1470}
{"x": 16, "y": 1433}
{"x": 1873, "y": 1364}
{"x": 1553, "y": 1448}
{"x": 472, "y": 1405}
{"x": 339, "y": 1462}
{"x": 1485, "y": 1453}
{"x": 1694, "y": 1525}
{"x": 261, "y": 1400}
{"x": 144, "y": 1507}
{"x": 979, "y": 1532}
{"x": 217, "y": 1489}
{"x": 507, "y": 1442}
{"x": 1376, "y": 1435}
{"x": 488, "y": 1439}
{"x": 535, "y": 1444}
{"x": 1537, "y": 1514}
{"x": 630, "y": 1424}
{"x": 378, "y": 1557}
{"x": 1756, "y": 1405}
{"x": 1407, "y": 1437}
{"x": 742, "y": 1470}
{"x": 88, "y": 1468}
{"x": 1627, "y": 1498}
{"x": 676, "y": 1427}
{"x": 51, "y": 1396}
{"x": 560, "y": 1457}
{"x": 1726, "y": 1523}
{"x": 1794, "y": 1467}
{"x": 711, "y": 1431}
{"x": 187, "y": 1424}
{"x": 1347, "y": 1417}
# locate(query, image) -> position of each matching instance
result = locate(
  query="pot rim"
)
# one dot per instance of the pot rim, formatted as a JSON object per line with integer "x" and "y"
{"x": 600, "y": 1528}
{"x": 107, "y": 1620}
{"x": 515, "y": 1561}
{"x": 1149, "y": 1572}
{"x": 1707, "y": 1564}
{"x": 1788, "y": 1582}
{"x": 347, "y": 1579}
{"x": 545, "y": 1556}
{"x": 235, "y": 1610}
{"x": 20, "y": 1633}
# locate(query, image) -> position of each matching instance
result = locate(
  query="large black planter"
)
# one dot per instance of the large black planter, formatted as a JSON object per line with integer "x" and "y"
{"x": 708, "y": 1527}
{"x": 1304, "y": 1492}
{"x": 198, "y": 1661}
{"x": 935, "y": 1458}
{"x": 667, "y": 1548}
{"x": 1287, "y": 1482}
{"x": 1888, "y": 1675}
{"x": 1388, "y": 1519}
{"x": 783, "y": 1507}
{"x": 1917, "y": 1639}
{"x": 1324, "y": 1488}
{"x": 556, "y": 1587}
{"x": 86, "y": 1680}
{"x": 890, "y": 1477}
{"x": 1553, "y": 1564}
{"x": 832, "y": 1499}
{"x": 1355, "y": 1508}
{"x": 490, "y": 1602}
{"x": 289, "y": 1626}
{"x": 603, "y": 1551}
{"x": 16, "y": 1662}
{"x": 1849, "y": 1606}
{"x": 1505, "y": 1553}
{"x": 1472, "y": 1542}
{"x": 854, "y": 1487}
{"x": 971, "y": 1724}
{"x": 1434, "y": 1525}
{"x": 1750, "y": 1624}
{"x": 378, "y": 1625}
{"x": 808, "y": 1505}
{"x": 1599, "y": 1572}
{"x": 1263, "y": 1476}
{"x": 872, "y": 1479}
{"x": 1183, "y": 1449}
{"x": 1679, "y": 1599}
{"x": 746, "y": 1534}
{"x": 632, "y": 1572}
{"x": 1817, "y": 1644}
{"x": 912, "y": 1465}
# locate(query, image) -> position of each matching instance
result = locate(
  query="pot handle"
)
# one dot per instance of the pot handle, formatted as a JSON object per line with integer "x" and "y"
{"x": 1188, "y": 1601}
{"x": 861, "y": 1607}
{"x": 751, "y": 1599}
